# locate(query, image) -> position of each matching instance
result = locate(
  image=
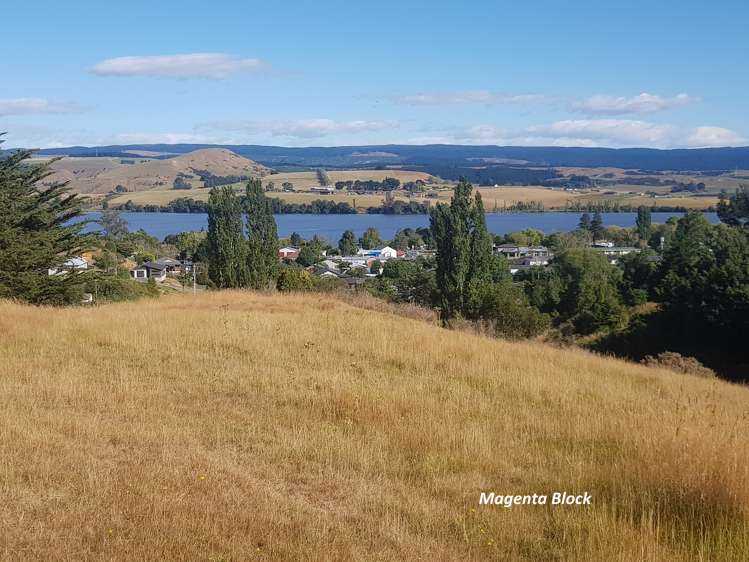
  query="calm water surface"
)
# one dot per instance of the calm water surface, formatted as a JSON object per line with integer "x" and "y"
{"x": 332, "y": 226}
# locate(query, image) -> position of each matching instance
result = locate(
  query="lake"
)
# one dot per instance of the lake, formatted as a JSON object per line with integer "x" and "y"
{"x": 332, "y": 226}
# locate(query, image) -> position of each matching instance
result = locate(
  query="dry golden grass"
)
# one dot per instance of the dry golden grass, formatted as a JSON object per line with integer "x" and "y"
{"x": 305, "y": 180}
{"x": 508, "y": 195}
{"x": 237, "y": 426}
{"x": 164, "y": 197}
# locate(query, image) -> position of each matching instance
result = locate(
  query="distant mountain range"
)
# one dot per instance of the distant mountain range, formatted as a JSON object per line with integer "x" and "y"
{"x": 441, "y": 159}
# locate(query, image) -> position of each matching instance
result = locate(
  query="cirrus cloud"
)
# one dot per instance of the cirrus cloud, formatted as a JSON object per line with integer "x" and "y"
{"x": 210, "y": 66}
{"x": 37, "y": 106}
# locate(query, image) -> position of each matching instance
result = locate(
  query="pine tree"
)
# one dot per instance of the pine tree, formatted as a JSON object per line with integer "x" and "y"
{"x": 227, "y": 246}
{"x": 584, "y": 222}
{"x": 596, "y": 225}
{"x": 643, "y": 222}
{"x": 36, "y": 234}
{"x": 347, "y": 244}
{"x": 262, "y": 238}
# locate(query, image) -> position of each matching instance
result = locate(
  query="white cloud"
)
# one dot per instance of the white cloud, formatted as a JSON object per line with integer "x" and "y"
{"x": 33, "y": 106}
{"x": 620, "y": 105}
{"x": 714, "y": 136}
{"x": 303, "y": 128}
{"x": 212, "y": 66}
{"x": 469, "y": 97}
{"x": 617, "y": 133}
{"x": 162, "y": 138}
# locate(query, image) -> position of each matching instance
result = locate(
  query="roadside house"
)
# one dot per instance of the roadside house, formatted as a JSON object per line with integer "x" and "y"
{"x": 288, "y": 253}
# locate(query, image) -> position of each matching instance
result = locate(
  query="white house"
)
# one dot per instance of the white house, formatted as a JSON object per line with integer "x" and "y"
{"x": 73, "y": 264}
{"x": 382, "y": 253}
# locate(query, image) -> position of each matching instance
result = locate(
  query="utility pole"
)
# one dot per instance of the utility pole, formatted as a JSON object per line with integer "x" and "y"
{"x": 194, "y": 267}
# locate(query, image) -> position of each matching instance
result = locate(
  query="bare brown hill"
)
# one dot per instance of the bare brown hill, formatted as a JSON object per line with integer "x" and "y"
{"x": 103, "y": 175}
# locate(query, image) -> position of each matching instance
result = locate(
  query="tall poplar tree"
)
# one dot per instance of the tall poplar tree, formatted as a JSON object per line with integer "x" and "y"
{"x": 644, "y": 222}
{"x": 480, "y": 257}
{"x": 463, "y": 250}
{"x": 262, "y": 238}
{"x": 36, "y": 234}
{"x": 227, "y": 246}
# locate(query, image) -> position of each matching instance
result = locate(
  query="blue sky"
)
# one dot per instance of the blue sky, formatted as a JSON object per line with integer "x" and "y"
{"x": 661, "y": 74}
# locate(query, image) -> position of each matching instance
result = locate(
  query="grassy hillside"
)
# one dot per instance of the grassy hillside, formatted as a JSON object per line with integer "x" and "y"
{"x": 102, "y": 175}
{"x": 494, "y": 197}
{"x": 235, "y": 426}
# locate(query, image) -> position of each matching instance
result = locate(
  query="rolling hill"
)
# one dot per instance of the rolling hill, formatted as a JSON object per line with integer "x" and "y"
{"x": 441, "y": 156}
{"x": 241, "y": 426}
{"x": 105, "y": 174}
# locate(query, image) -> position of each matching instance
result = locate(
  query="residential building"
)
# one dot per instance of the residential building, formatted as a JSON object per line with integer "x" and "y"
{"x": 288, "y": 253}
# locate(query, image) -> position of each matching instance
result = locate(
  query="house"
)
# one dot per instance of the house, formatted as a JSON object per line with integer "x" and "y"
{"x": 515, "y": 251}
{"x": 72, "y": 264}
{"x": 357, "y": 260}
{"x": 324, "y": 272}
{"x": 323, "y": 190}
{"x": 172, "y": 265}
{"x": 381, "y": 253}
{"x": 288, "y": 253}
{"x": 150, "y": 270}
{"x": 613, "y": 253}
{"x": 330, "y": 264}
{"x": 139, "y": 273}
{"x": 527, "y": 262}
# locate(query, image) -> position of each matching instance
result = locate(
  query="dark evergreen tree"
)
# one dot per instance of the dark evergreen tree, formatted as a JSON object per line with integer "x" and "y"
{"x": 348, "y": 244}
{"x": 584, "y": 222}
{"x": 734, "y": 210}
{"x": 226, "y": 244}
{"x": 36, "y": 234}
{"x": 643, "y": 222}
{"x": 596, "y": 225}
{"x": 296, "y": 239}
{"x": 262, "y": 238}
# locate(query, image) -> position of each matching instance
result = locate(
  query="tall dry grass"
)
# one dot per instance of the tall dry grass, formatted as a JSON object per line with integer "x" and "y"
{"x": 236, "y": 426}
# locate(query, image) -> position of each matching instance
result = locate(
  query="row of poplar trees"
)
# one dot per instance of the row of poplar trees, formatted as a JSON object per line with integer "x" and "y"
{"x": 242, "y": 238}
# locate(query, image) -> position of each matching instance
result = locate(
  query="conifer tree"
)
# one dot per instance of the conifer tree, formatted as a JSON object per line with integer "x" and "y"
{"x": 227, "y": 246}
{"x": 584, "y": 222}
{"x": 37, "y": 235}
{"x": 596, "y": 225}
{"x": 348, "y": 244}
{"x": 262, "y": 238}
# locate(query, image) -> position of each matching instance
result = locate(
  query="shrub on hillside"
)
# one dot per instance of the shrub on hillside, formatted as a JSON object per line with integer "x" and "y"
{"x": 294, "y": 279}
{"x": 678, "y": 363}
